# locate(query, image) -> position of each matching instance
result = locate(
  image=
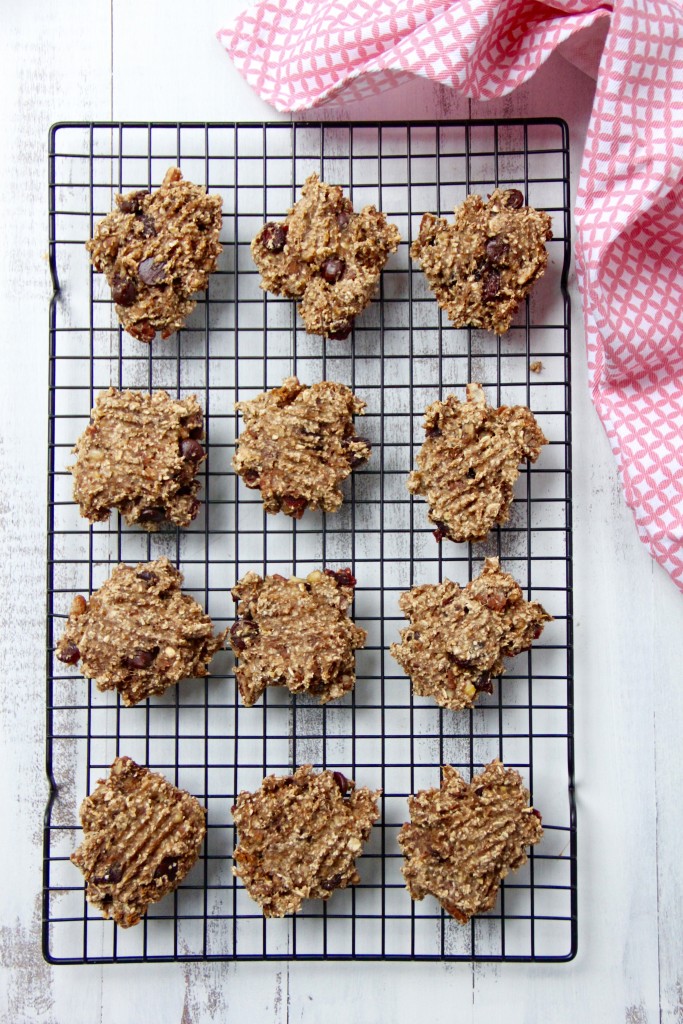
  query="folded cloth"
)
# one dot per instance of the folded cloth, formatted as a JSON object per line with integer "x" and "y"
{"x": 629, "y": 250}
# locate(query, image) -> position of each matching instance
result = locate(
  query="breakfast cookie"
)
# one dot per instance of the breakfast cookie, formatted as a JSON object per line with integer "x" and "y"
{"x": 142, "y": 836}
{"x": 463, "y": 839}
{"x": 299, "y": 444}
{"x": 325, "y": 255}
{"x": 299, "y": 836}
{"x": 156, "y": 250}
{"x": 296, "y": 633}
{"x": 139, "y": 634}
{"x": 458, "y": 636}
{"x": 481, "y": 267}
{"x": 470, "y": 460}
{"x": 140, "y": 454}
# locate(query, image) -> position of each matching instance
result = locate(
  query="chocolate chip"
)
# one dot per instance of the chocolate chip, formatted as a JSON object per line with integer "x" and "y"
{"x": 434, "y": 432}
{"x": 151, "y": 272}
{"x": 496, "y": 249}
{"x": 140, "y": 659}
{"x": 69, "y": 654}
{"x": 514, "y": 198}
{"x": 491, "y": 285}
{"x": 342, "y": 577}
{"x": 331, "y": 883}
{"x": 342, "y": 334}
{"x": 149, "y": 228}
{"x": 152, "y": 515}
{"x": 342, "y": 782}
{"x": 294, "y": 505}
{"x": 132, "y": 203}
{"x": 191, "y": 450}
{"x": 343, "y": 218}
{"x": 242, "y": 632}
{"x": 123, "y": 291}
{"x": 112, "y": 874}
{"x": 483, "y": 684}
{"x": 470, "y": 473}
{"x": 168, "y": 868}
{"x": 197, "y": 433}
{"x": 251, "y": 477}
{"x": 333, "y": 269}
{"x": 147, "y": 576}
{"x": 274, "y": 237}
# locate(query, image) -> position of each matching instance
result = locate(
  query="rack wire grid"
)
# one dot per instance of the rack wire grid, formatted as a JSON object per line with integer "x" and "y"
{"x": 402, "y": 355}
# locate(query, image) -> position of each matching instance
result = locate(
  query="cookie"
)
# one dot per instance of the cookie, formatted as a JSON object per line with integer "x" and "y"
{"x": 139, "y": 634}
{"x": 157, "y": 250}
{"x": 296, "y": 633}
{"x": 140, "y": 455}
{"x": 482, "y": 266}
{"x": 142, "y": 836}
{"x": 458, "y": 636}
{"x": 299, "y": 836}
{"x": 325, "y": 255}
{"x": 469, "y": 462}
{"x": 299, "y": 444}
{"x": 463, "y": 839}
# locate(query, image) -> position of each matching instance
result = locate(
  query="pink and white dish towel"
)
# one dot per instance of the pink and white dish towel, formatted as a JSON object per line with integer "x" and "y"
{"x": 629, "y": 211}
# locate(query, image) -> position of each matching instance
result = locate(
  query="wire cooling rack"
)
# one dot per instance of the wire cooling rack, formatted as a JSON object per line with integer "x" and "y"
{"x": 402, "y": 355}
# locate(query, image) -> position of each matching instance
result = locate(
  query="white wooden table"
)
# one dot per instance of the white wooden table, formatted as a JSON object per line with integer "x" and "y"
{"x": 142, "y": 60}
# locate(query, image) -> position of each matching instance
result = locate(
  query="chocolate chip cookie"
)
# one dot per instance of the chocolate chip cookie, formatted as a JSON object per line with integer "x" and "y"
{"x": 296, "y": 633}
{"x": 464, "y": 838}
{"x": 140, "y": 454}
{"x": 482, "y": 266}
{"x": 299, "y": 444}
{"x": 139, "y": 634}
{"x": 142, "y": 836}
{"x": 325, "y": 255}
{"x": 157, "y": 249}
{"x": 458, "y": 636}
{"x": 299, "y": 836}
{"x": 470, "y": 460}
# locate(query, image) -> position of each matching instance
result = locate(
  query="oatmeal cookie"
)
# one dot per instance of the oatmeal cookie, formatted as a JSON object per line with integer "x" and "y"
{"x": 299, "y": 444}
{"x": 140, "y": 454}
{"x": 481, "y": 267}
{"x": 299, "y": 836}
{"x": 463, "y": 839}
{"x": 139, "y": 634}
{"x": 156, "y": 250}
{"x": 458, "y": 637}
{"x": 325, "y": 255}
{"x": 296, "y": 633}
{"x": 470, "y": 460}
{"x": 142, "y": 836}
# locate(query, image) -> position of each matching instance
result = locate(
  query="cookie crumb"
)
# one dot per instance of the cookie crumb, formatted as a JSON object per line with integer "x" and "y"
{"x": 536, "y": 366}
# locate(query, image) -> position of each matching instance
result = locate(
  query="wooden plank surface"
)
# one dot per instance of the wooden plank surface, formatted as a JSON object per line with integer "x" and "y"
{"x": 143, "y": 60}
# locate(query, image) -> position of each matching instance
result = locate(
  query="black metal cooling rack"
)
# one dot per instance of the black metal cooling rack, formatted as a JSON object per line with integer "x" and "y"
{"x": 402, "y": 355}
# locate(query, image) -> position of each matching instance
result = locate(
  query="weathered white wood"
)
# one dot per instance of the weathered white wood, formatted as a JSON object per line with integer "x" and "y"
{"x": 60, "y": 61}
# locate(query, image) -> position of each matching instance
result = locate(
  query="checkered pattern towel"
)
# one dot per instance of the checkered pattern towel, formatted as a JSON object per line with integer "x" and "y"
{"x": 629, "y": 211}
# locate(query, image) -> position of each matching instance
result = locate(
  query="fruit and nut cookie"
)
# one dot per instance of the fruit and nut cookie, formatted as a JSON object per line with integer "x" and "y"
{"x": 299, "y": 837}
{"x": 142, "y": 836}
{"x": 484, "y": 264}
{"x": 296, "y": 633}
{"x": 464, "y": 838}
{"x": 139, "y": 634}
{"x": 157, "y": 249}
{"x": 469, "y": 462}
{"x": 326, "y": 255}
{"x": 299, "y": 444}
{"x": 458, "y": 636}
{"x": 140, "y": 454}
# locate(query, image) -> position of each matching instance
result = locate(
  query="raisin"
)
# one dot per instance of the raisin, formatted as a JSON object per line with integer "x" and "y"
{"x": 156, "y": 514}
{"x": 167, "y": 868}
{"x": 147, "y": 576}
{"x": 123, "y": 291}
{"x": 294, "y": 505}
{"x": 274, "y": 237}
{"x": 191, "y": 450}
{"x": 69, "y": 654}
{"x": 242, "y": 632}
{"x": 112, "y": 874}
{"x": 514, "y": 198}
{"x": 342, "y": 782}
{"x": 342, "y": 577}
{"x": 140, "y": 659}
{"x": 341, "y": 334}
{"x": 333, "y": 269}
{"x": 491, "y": 285}
{"x": 131, "y": 203}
